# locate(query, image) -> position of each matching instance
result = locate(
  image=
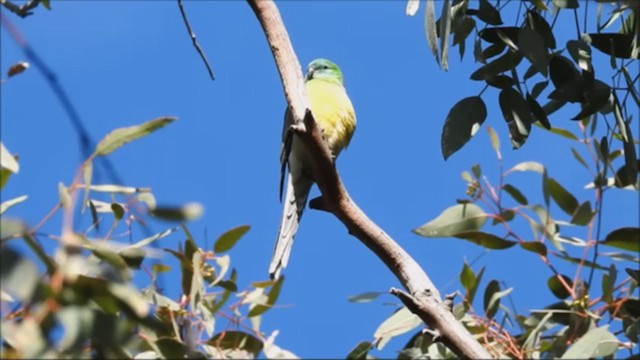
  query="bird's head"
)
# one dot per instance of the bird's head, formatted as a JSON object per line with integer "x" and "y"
{"x": 325, "y": 70}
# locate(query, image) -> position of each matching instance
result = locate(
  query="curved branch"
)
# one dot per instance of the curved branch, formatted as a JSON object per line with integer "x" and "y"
{"x": 423, "y": 298}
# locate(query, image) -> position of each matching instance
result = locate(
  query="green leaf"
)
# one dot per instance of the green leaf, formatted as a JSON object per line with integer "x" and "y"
{"x": 488, "y": 13}
{"x": 227, "y": 240}
{"x": 455, "y": 219}
{"x": 172, "y": 348}
{"x": 445, "y": 30}
{"x": 578, "y": 157}
{"x": 635, "y": 274}
{"x": 272, "y": 297}
{"x": 515, "y": 194}
{"x": 490, "y": 304}
{"x": 608, "y": 284}
{"x": 121, "y": 136}
{"x": 187, "y": 212}
{"x": 627, "y": 238}
{"x": 9, "y": 203}
{"x": 160, "y": 268}
{"x": 565, "y": 200}
{"x": 495, "y": 141}
{"x": 476, "y": 170}
{"x": 528, "y": 166}
{"x": 517, "y": 114}
{"x": 462, "y": 122}
{"x": 485, "y": 240}
{"x": 504, "y": 63}
{"x": 583, "y": 214}
{"x": 467, "y": 277}
{"x": 496, "y": 35}
{"x": 500, "y": 81}
{"x": 118, "y": 189}
{"x": 402, "y": 321}
{"x": 360, "y": 351}
{"x": 532, "y": 46}
{"x": 539, "y": 88}
{"x": 536, "y": 22}
{"x": 566, "y": 4}
{"x": 46, "y": 4}
{"x": 118, "y": 210}
{"x": 597, "y": 343}
{"x": 131, "y": 298}
{"x": 236, "y": 340}
{"x": 535, "y": 246}
{"x": 556, "y": 287}
{"x": 580, "y": 53}
{"x": 112, "y": 258}
{"x": 364, "y": 297}
{"x": 564, "y": 133}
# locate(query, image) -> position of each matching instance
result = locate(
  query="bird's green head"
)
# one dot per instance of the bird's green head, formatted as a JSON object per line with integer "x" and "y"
{"x": 325, "y": 70}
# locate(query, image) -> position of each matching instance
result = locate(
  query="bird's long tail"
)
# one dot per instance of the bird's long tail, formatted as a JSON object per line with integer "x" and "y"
{"x": 295, "y": 200}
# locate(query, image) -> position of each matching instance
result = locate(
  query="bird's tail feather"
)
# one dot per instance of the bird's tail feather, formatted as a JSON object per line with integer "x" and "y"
{"x": 295, "y": 201}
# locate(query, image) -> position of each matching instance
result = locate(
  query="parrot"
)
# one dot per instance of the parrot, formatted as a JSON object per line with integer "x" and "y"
{"x": 333, "y": 112}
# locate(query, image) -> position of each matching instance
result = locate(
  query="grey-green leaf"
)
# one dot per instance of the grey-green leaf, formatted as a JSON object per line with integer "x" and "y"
{"x": 532, "y": 46}
{"x": 485, "y": 240}
{"x": 121, "y": 136}
{"x": 454, "y": 220}
{"x": 627, "y": 238}
{"x": 227, "y": 240}
{"x": 597, "y": 343}
{"x": 565, "y": 200}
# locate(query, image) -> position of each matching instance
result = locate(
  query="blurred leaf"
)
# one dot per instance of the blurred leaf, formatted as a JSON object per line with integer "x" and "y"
{"x": 556, "y": 287}
{"x": 118, "y": 210}
{"x": 515, "y": 194}
{"x": 485, "y": 240}
{"x": 536, "y": 247}
{"x": 470, "y": 283}
{"x": 130, "y": 297}
{"x": 118, "y": 189}
{"x": 227, "y": 240}
{"x": 8, "y": 161}
{"x": 19, "y": 275}
{"x": 598, "y": 342}
{"x": 488, "y": 13}
{"x": 583, "y": 214}
{"x": 9, "y": 203}
{"x": 580, "y": 53}
{"x": 364, "y": 297}
{"x": 160, "y": 268}
{"x": 627, "y": 238}
{"x": 578, "y": 157}
{"x": 583, "y": 262}
{"x": 187, "y": 212}
{"x": 360, "y": 351}
{"x": 532, "y": 46}
{"x": 565, "y": 200}
{"x": 133, "y": 257}
{"x": 462, "y": 122}
{"x": 65, "y": 197}
{"x": 617, "y": 45}
{"x": 121, "y": 136}
{"x": 146, "y": 241}
{"x": 608, "y": 284}
{"x": 197, "y": 282}
{"x": 455, "y": 219}
{"x": 631, "y": 86}
{"x": 87, "y": 173}
{"x": 236, "y": 340}
{"x": 635, "y": 274}
{"x": 17, "y": 68}
{"x": 172, "y": 348}
{"x": 272, "y": 297}
{"x": 476, "y": 170}
{"x": 402, "y": 321}
{"x": 495, "y": 141}
{"x": 564, "y": 133}
{"x": 412, "y": 7}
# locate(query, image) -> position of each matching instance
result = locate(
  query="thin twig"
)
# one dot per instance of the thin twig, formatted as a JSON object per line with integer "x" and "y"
{"x": 193, "y": 39}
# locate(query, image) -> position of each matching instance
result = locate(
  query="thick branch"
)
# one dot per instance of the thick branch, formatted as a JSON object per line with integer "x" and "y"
{"x": 423, "y": 298}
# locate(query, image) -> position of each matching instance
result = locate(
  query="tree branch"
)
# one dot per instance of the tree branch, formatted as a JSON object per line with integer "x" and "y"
{"x": 423, "y": 298}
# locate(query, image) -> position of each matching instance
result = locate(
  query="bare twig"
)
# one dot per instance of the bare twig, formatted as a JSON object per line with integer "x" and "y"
{"x": 193, "y": 39}
{"x": 22, "y": 10}
{"x": 423, "y": 297}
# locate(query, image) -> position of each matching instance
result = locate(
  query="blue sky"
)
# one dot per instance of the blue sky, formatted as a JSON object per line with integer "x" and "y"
{"x": 123, "y": 63}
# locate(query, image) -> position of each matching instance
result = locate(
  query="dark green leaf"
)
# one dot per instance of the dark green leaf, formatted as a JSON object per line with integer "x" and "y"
{"x": 491, "y": 305}
{"x": 463, "y": 30}
{"x": 616, "y": 45}
{"x": 187, "y": 212}
{"x": 493, "y": 50}
{"x": 515, "y": 194}
{"x": 476, "y": 170}
{"x": 504, "y": 63}
{"x": 562, "y": 71}
{"x": 360, "y": 351}
{"x": 540, "y": 25}
{"x": 635, "y": 274}
{"x": 597, "y": 343}
{"x": 462, "y": 122}
{"x": 19, "y": 275}
{"x": 517, "y": 114}
{"x": 485, "y": 240}
{"x": 455, "y": 219}
{"x": 227, "y": 240}
{"x": 538, "y": 112}
{"x": 133, "y": 257}
{"x": 538, "y": 88}
{"x": 172, "y": 348}
{"x": 118, "y": 210}
{"x": 566, "y": 4}
{"x": 501, "y": 82}
{"x": 119, "y": 137}
{"x": 497, "y": 34}
{"x": 583, "y": 214}
{"x": 557, "y": 288}
{"x": 536, "y": 247}
{"x": 582, "y": 261}
{"x": 488, "y": 13}
{"x": 272, "y": 297}
{"x": 532, "y": 46}
{"x": 565, "y": 200}
{"x": 580, "y": 53}
{"x": 627, "y": 238}
{"x": 578, "y": 157}
{"x": 608, "y": 284}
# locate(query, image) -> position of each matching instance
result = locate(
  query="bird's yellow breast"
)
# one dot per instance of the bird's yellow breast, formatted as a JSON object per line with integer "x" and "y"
{"x": 333, "y": 112}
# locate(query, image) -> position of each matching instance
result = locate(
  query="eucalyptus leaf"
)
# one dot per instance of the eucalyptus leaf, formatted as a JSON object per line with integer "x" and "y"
{"x": 462, "y": 122}
{"x": 454, "y": 220}
{"x": 121, "y": 136}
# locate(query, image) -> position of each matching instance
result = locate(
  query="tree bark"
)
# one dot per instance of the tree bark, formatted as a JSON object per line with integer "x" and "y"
{"x": 423, "y": 299}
